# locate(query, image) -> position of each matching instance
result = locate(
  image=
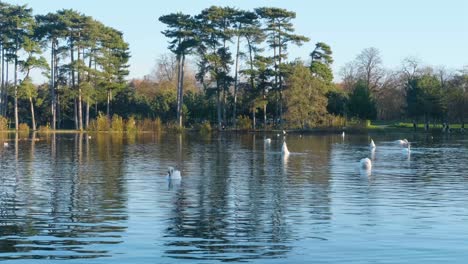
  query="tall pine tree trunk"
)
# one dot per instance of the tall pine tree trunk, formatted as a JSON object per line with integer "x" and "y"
{"x": 180, "y": 92}
{"x": 52, "y": 86}
{"x": 33, "y": 117}
{"x": 7, "y": 78}
{"x": 179, "y": 75}
{"x": 87, "y": 114}
{"x": 80, "y": 101}
{"x": 15, "y": 82}
{"x": 218, "y": 106}
{"x": 108, "y": 103}
{"x": 72, "y": 58}
{"x": 280, "y": 80}
{"x": 234, "y": 113}
{"x": 75, "y": 112}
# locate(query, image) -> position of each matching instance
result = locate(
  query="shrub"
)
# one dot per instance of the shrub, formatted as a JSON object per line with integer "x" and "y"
{"x": 244, "y": 122}
{"x": 130, "y": 125}
{"x": 45, "y": 129}
{"x": 149, "y": 125}
{"x": 157, "y": 124}
{"x": 92, "y": 125}
{"x": 174, "y": 128}
{"x": 117, "y": 123}
{"x": 23, "y": 127}
{"x": 3, "y": 123}
{"x": 102, "y": 123}
{"x": 205, "y": 127}
{"x": 336, "y": 121}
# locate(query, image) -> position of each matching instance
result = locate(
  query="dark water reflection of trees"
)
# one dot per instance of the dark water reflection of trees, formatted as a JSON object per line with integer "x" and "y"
{"x": 243, "y": 205}
{"x": 67, "y": 196}
{"x": 61, "y": 194}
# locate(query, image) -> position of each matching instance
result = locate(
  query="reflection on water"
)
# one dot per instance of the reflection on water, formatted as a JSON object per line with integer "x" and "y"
{"x": 106, "y": 197}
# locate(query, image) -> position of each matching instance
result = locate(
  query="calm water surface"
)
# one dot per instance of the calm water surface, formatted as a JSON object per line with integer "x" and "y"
{"x": 105, "y": 199}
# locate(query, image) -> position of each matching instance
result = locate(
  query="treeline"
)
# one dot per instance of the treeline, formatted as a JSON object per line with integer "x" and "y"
{"x": 86, "y": 67}
{"x": 226, "y": 67}
{"x": 243, "y": 68}
{"x": 414, "y": 91}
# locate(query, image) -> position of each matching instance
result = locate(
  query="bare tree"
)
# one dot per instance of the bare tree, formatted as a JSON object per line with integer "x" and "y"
{"x": 369, "y": 67}
{"x": 348, "y": 75}
{"x": 165, "y": 68}
{"x": 410, "y": 67}
{"x": 390, "y": 98}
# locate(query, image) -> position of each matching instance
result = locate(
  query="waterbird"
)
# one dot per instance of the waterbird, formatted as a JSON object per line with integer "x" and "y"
{"x": 5, "y": 144}
{"x": 372, "y": 144}
{"x": 284, "y": 149}
{"x": 173, "y": 174}
{"x": 365, "y": 164}
{"x": 267, "y": 140}
{"x": 407, "y": 149}
{"x": 402, "y": 142}
{"x": 343, "y": 134}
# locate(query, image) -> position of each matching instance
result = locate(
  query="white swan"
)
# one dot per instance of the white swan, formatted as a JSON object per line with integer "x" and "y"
{"x": 365, "y": 164}
{"x": 5, "y": 144}
{"x": 402, "y": 142}
{"x": 267, "y": 140}
{"x": 284, "y": 149}
{"x": 407, "y": 149}
{"x": 372, "y": 144}
{"x": 284, "y": 132}
{"x": 173, "y": 174}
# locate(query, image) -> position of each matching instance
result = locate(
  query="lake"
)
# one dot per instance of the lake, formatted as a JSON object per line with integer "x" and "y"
{"x": 106, "y": 199}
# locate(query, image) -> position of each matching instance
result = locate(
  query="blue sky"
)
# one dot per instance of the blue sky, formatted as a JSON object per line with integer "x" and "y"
{"x": 434, "y": 31}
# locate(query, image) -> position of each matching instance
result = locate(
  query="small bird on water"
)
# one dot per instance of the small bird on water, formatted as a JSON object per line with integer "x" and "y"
{"x": 173, "y": 174}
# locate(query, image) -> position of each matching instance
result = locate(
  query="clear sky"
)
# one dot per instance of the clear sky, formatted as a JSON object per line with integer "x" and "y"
{"x": 434, "y": 31}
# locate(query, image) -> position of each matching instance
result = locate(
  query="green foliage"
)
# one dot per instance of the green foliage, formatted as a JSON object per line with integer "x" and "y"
{"x": 361, "y": 104}
{"x": 321, "y": 62}
{"x": 337, "y": 102}
{"x": 425, "y": 97}
{"x": 244, "y": 123}
{"x": 305, "y": 98}
{"x": 27, "y": 89}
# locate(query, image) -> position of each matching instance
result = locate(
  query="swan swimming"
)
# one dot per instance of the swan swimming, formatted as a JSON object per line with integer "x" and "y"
{"x": 267, "y": 140}
{"x": 5, "y": 144}
{"x": 372, "y": 144}
{"x": 365, "y": 164}
{"x": 407, "y": 149}
{"x": 173, "y": 174}
{"x": 284, "y": 149}
{"x": 403, "y": 143}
